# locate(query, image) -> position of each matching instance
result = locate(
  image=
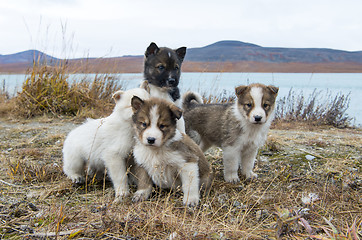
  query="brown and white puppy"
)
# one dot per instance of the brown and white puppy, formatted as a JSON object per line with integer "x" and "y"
{"x": 239, "y": 128}
{"x": 170, "y": 157}
{"x": 162, "y": 71}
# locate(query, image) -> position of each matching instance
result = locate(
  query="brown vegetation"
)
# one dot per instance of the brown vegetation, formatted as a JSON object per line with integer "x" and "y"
{"x": 47, "y": 90}
{"x": 309, "y": 187}
{"x": 135, "y": 65}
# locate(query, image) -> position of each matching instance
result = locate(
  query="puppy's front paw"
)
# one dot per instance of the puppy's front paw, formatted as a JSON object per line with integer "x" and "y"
{"x": 251, "y": 175}
{"x": 77, "y": 179}
{"x": 120, "y": 197}
{"x": 141, "y": 195}
{"x": 191, "y": 201}
{"x": 232, "y": 178}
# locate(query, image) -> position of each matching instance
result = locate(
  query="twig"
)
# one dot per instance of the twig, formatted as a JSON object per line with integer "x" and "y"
{"x": 53, "y": 234}
{"x": 10, "y": 184}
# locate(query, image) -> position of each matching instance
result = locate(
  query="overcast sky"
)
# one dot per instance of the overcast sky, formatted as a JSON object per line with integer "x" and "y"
{"x": 94, "y": 28}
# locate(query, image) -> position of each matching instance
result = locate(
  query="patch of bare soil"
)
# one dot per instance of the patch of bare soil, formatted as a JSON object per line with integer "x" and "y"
{"x": 309, "y": 187}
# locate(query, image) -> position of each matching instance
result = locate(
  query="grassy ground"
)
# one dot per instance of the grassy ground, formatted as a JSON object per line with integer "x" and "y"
{"x": 293, "y": 197}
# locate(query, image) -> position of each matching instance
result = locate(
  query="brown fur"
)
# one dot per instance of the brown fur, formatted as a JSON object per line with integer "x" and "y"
{"x": 220, "y": 115}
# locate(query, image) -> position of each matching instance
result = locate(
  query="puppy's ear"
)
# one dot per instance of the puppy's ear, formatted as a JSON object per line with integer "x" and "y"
{"x": 136, "y": 103}
{"x": 144, "y": 85}
{"x": 239, "y": 90}
{"x": 273, "y": 89}
{"x": 117, "y": 95}
{"x": 176, "y": 111}
{"x": 181, "y": 52}
{"x": 152, "y": 49}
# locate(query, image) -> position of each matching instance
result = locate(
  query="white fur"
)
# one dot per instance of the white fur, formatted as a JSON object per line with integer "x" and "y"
{"x": 103, "y": 143}
{"x": 257, "y": 95}
{"x": 162, "y": 93}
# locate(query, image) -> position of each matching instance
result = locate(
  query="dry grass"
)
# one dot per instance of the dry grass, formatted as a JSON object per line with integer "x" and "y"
{"x": 319, "y": 108}
{"x": 39, "y": 202}
{"x": 48, "y": 90}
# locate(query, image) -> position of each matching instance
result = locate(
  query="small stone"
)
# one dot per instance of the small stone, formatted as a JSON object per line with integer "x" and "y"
{"x": 261, "y": 214}
{"x": 310, "y": 198}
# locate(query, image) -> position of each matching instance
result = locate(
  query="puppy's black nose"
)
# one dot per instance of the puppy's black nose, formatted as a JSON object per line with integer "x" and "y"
{"x": 151, "y": 140}
{"x": 171, "y": 81}
{"x": 258, "y": 118}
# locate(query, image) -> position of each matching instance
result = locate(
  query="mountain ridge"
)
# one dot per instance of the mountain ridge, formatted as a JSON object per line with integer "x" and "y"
{"x": 239, "y": 51}
{"x": 226, "y": 55}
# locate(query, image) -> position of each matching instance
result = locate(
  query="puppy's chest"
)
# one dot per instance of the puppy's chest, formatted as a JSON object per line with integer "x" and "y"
{"x": 251, "y": 137}
{"x": 162, "y": 166}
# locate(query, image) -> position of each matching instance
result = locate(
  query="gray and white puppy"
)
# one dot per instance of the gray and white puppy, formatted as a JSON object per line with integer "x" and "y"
{"x": 239, "y": 128}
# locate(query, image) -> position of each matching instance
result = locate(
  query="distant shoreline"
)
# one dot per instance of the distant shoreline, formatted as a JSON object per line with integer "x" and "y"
{"x": 135, "y": 65}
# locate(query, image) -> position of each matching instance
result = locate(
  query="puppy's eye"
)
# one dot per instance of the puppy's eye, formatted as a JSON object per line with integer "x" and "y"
{"x": 176, "y": 67}
{"x": 248, "y": 105}
{"x": 265, "y": 105}
{"x": 144, "y": 124}
{"x": 161, "y": 67}
{"x": 162, "y": 126}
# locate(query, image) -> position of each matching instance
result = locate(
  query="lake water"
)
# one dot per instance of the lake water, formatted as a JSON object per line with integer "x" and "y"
{"x": 345, "y": 83}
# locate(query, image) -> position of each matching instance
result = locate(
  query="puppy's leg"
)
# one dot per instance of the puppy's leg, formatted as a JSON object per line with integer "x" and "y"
{"x": 73, "y": 165}
{"x": 247, "y": 162}
{"x": 206, "y": 175}
{"x": 231, "y": 159}
{"x": 116, "y": 167}
{"x": 144, "y": 184}
{"x": 190, "y": 183}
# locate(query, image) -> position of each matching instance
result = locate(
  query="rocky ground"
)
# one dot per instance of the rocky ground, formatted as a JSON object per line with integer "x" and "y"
{"x": 309, "y": 187}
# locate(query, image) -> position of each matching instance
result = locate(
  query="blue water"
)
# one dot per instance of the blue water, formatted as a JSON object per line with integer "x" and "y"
{"x": 345, "y": 83}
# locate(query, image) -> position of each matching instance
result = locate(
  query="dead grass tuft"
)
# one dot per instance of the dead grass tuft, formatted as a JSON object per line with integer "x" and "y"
{"x": 47, "y": 90}
{"x": 318, "y": 108}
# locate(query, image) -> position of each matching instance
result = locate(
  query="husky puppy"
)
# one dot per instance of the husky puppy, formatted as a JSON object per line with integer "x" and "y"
{"x": 171, "y": 158}
{"x": 104, "y": 143}
{"x": 239, "y": 128}
{"x": 162, "y": 71}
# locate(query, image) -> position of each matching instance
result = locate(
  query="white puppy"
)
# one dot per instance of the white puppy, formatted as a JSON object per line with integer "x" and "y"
{"x": 104, "y": 143}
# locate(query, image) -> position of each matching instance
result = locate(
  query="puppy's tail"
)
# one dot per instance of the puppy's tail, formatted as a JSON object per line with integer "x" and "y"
{"x": 190, "y": 99}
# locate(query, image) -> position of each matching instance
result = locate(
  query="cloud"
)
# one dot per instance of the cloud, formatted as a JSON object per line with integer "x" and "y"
{"x": 128, "y": 26}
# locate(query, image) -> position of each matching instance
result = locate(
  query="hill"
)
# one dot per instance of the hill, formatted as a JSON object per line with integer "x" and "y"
{"x": 28, "y": 56}
{"x": 223, "y": 56}
{"x": 232, "y": 51}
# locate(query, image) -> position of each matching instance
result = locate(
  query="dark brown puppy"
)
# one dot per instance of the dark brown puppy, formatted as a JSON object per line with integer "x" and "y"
{"x": 162, "y": 69}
